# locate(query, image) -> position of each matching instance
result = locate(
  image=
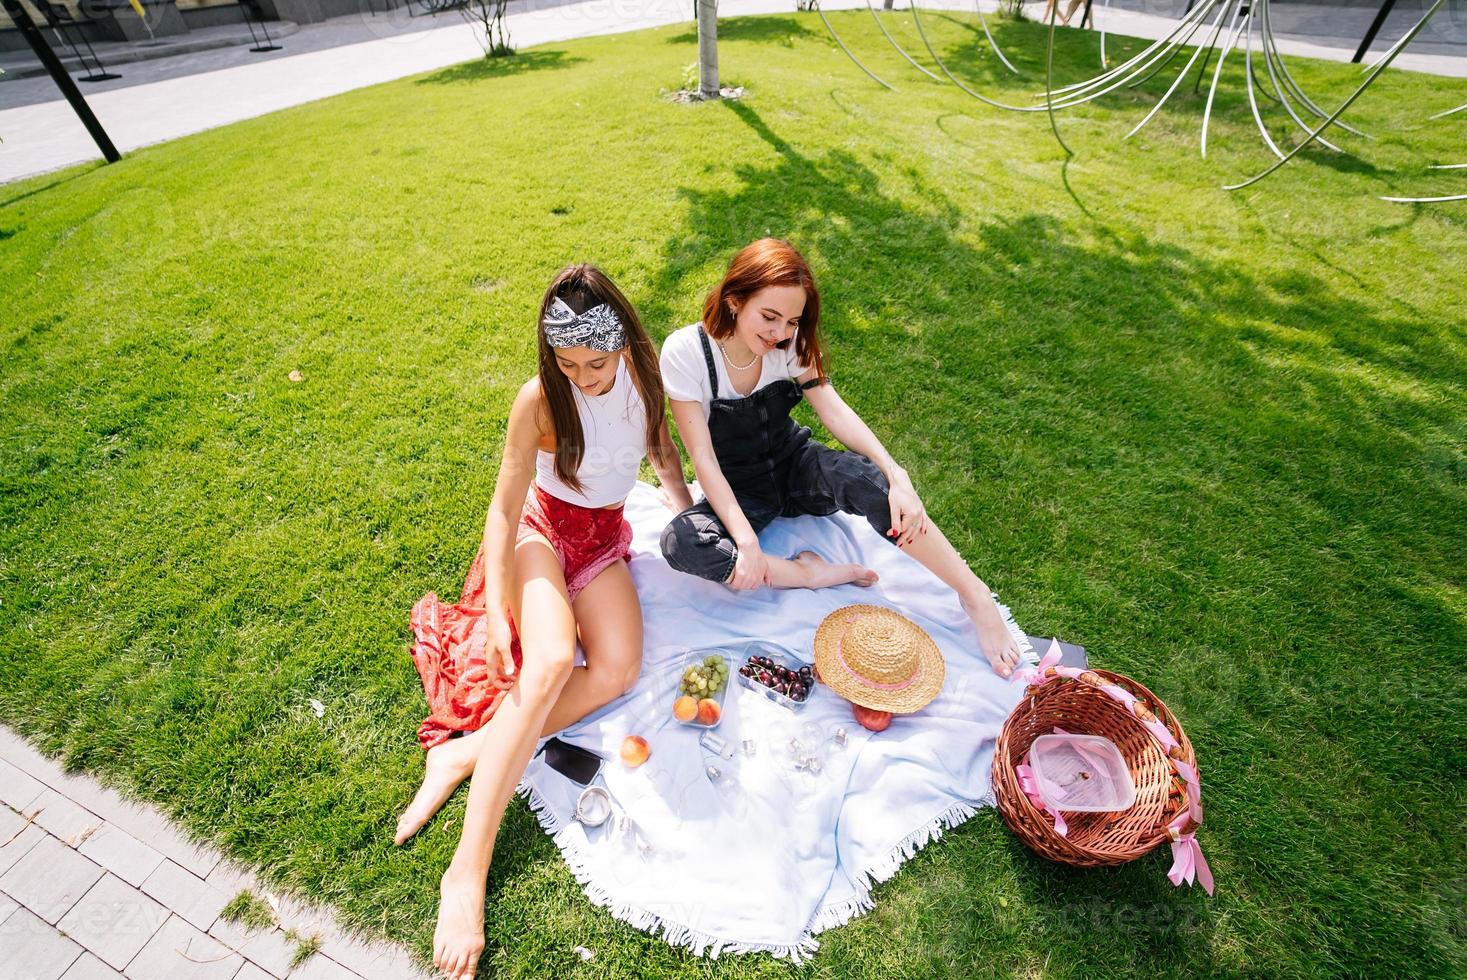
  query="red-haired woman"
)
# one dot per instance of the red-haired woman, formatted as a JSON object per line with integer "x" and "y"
{"x": 551, "y": 567}
{"x": 732, "y": 381}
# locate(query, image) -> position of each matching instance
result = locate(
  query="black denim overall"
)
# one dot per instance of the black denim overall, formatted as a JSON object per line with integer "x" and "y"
{"x": 775, "y": 470}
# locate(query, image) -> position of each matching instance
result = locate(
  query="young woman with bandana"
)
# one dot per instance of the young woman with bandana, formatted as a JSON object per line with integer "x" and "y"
{"x": 553, "y": 563}
{"x": 732, "y": 381}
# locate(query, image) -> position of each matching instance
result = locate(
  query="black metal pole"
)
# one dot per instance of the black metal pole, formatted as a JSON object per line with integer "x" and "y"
{"x": 27, "y": 27}
{"x": 1087, "y": 15}
{"x": 1375, "y": 26}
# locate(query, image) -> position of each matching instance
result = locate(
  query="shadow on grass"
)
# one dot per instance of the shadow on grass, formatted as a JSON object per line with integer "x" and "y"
{"x": 79, "y": 172}
{"x": 1156, "y": 372}
{"x": 783, "y": 30}
{"x": 486, "y": 67}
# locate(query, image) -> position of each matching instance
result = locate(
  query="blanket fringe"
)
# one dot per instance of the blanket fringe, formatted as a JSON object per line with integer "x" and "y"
{"x": 696, "y": 941}
{"x": 891, "y": 862}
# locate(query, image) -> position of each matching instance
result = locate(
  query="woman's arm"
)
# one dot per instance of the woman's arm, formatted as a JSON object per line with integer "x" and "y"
{"x": 501, "y": 523}
{"x": 750, "y": 569}
{"x": 908, "y": 516}
{"x": 668, "y": 463}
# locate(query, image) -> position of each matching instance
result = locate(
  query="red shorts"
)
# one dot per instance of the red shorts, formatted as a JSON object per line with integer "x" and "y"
{"x": 462, "y": 695}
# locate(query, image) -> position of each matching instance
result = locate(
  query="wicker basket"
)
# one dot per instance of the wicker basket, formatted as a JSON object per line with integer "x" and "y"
{"x": 1082, "y": 706}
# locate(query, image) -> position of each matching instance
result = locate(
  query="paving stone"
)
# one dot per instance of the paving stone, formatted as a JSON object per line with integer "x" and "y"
{"x": 16, "y": 846}
{"x": 63, "y": 818}
{"x": 231, "y": 879}
{"x": 269, "y": 948}
{"x": 88, "y": 967}
{"x": 17, "y": 788}
{"x": 122, "y": 854}
{"x": 248, "y": 971}
{"x": 49, "y": 879}
{"x": 373, "y": 961}
{"x": 140, "y": 820}
{"x": 178, "y": 951}
{"x": 32, "y": 950}
{"x": 7, "y": 906}
{"x": 188, "y": 895}
{"x": 322, "y": 967}
{"x": 113, "y": 920}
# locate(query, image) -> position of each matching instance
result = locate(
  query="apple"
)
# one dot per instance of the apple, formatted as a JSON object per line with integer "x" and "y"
{"x": 634, "y": 751}
{"x": 871, "y": 719}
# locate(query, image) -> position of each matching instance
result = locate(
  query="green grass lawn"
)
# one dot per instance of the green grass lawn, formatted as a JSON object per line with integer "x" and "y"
{"x": 1220, "y": 439}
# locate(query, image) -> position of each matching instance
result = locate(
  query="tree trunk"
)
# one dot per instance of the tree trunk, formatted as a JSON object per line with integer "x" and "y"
{"x": 708, "y": 49}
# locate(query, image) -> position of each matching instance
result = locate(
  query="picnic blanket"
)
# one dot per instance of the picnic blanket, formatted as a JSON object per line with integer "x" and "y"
{"x": 768, "y": 855}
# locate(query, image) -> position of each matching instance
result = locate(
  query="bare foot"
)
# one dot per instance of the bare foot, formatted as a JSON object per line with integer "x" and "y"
{"x": 994, "y": 638}
{"x": 447, "y": 765}
{"x": 458, "y": 939}
{"x": 822, "y": 574}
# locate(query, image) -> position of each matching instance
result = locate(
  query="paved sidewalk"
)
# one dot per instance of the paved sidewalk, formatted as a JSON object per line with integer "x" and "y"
{"x": 93, "y": 887}
{"x": 213, "y": 88}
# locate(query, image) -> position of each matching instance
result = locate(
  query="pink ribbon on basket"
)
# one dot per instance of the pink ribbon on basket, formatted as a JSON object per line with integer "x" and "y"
{"x": 1029, "y": 783}
{"x": 1188, "y": 864}
{"x": 1187, "y": 860}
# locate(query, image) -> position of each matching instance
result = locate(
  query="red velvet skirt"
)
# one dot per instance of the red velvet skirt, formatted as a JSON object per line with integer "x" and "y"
{"x": 462, "y": 695}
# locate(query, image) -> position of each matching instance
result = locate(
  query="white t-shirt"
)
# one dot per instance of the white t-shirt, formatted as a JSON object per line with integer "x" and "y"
{"x": 685, "y": 371}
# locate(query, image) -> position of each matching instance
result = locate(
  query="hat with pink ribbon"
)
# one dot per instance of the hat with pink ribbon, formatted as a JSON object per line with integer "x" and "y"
{"x": 876, "y": 657}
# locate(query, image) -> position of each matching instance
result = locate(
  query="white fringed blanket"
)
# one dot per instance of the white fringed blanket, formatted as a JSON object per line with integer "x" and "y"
{"x": 770, "y": 855}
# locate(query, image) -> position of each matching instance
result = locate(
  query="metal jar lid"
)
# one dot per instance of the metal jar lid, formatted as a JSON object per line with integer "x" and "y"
{"x": 593, "y": 806}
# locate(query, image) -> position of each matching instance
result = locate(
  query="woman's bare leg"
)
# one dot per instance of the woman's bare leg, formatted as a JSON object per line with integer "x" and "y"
{"x": 808, "y": 570}
{"x": 935, "y": 551}
{"x": 610, "y": 621}
{"x": 547, "y": 636}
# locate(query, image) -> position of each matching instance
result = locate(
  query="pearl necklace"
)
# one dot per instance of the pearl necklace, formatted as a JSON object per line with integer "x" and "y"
{"x": 729, "y": 361}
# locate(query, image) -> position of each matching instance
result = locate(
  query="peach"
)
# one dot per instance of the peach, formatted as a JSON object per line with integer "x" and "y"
{"x": 708, "y": 712}
{"x": 634, "y": 751}
{"x": 685, "y": 708}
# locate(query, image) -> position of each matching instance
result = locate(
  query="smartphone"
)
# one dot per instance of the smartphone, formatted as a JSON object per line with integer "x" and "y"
{"x": 571, "y": 761}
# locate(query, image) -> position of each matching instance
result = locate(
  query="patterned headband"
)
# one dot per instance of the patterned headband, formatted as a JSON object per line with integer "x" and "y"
{"x": 599, "y": 328}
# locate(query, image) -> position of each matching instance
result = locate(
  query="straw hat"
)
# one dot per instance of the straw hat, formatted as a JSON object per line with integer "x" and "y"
{"x": 878, "y": 658}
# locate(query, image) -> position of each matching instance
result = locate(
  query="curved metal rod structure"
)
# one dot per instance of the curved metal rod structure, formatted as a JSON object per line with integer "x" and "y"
{"x": 1176, "y": 82}
{"x": 1278, "y": 87}
{"x": 1176, "y": 50}
{"x": 1426, "y": 200}
{"x": 1252, "y": 100}
{"x": 900, "y": 50}
{"x": 1374, "y": 74}
{"x": 874, "y": 77}
{"x": 1103, "y": 61}
{"x": 1288, "y": 78}
{"x": 1073, "y": 100}
{"x": 1049, "y": 80}
{"x": 994, "y": 44}
{"x": 1222, "y": 57}
{"x": 1124, "y": 69}
{"x": 954, "y": 79}
{"x": 1449, "y": 112}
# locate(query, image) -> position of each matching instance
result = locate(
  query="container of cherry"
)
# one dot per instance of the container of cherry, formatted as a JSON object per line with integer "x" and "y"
{"x": 701, "y": 689}
{"x": 780, "y": 678}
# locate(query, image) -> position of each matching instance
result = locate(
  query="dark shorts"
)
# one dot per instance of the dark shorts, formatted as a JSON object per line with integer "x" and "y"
{"x": 816, "y": 480}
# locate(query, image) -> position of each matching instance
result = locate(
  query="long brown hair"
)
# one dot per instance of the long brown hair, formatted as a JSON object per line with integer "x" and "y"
{"x": 583, "y": 287}
{"x": 768, "y": 262}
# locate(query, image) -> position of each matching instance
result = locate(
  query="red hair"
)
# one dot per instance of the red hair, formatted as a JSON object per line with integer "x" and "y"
{"x": 768, "y": 262}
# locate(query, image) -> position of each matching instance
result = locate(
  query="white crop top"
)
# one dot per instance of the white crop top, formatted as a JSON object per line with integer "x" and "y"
{"x": 614, "y": 429}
